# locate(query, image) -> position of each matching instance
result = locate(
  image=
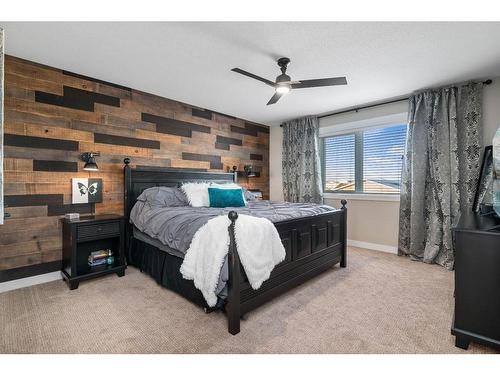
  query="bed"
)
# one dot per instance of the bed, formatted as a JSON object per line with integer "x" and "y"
{"x": 313, "y": 244}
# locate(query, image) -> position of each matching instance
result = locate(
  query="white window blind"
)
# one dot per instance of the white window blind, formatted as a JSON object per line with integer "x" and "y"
{"x": 340, "y": 162}
{"x": 365, "y": 161}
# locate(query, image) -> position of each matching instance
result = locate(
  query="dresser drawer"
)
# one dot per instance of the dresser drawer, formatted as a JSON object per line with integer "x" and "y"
{"x": 97, "y": 230}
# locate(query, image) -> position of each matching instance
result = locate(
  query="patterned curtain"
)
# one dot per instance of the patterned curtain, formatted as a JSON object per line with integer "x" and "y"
{"x": 301, "y": 161}
{"x": 440, "y": 170}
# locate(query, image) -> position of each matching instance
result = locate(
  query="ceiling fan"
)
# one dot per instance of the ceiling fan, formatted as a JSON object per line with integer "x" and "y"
{"x": 284, "y": 83}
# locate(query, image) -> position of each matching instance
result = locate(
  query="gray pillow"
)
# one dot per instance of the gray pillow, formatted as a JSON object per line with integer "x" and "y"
{"x": 164, "y": 196}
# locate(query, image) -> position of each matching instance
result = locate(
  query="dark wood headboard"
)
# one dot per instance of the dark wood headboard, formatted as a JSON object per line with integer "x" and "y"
{"x": 141, "y": 178}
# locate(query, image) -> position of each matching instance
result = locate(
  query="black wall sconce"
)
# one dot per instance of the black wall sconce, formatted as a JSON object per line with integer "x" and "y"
{"x": 89, "y": 159}
{"x": 247, "y": 172}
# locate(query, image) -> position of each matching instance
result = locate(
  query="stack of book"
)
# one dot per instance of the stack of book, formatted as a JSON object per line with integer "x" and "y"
{"x": 96, "y": 258}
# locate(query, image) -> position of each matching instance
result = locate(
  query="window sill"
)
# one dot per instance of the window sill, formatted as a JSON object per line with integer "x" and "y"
{"x": 363, "y": 197}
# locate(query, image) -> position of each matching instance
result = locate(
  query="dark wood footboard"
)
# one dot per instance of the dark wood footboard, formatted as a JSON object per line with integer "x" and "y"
{"x": 312, "y": 245}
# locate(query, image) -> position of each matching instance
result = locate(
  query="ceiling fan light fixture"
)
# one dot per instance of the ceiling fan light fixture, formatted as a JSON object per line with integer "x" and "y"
{"x": 283, "y": 89}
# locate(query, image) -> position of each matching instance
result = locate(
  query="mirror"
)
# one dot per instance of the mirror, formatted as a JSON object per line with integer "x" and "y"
{"x": 484, "y": 191}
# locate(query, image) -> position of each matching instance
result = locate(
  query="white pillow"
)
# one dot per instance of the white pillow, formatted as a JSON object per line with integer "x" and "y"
{"x": 196, "y": 193}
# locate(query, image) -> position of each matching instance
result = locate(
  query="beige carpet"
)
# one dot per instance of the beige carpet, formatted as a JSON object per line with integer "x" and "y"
{"x": 381, "y": 303}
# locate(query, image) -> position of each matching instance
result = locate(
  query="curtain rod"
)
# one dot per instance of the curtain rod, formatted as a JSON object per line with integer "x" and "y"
{"x": 487, "y": 82}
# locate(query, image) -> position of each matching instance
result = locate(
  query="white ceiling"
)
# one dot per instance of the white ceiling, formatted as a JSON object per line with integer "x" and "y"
{"x": 191, "y": 62}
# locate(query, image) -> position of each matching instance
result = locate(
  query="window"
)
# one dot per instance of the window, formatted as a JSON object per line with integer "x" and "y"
{"x": 364, "y": 161}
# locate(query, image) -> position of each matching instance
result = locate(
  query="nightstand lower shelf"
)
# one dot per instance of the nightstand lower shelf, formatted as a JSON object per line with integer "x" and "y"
{"x": 98, "y": 271}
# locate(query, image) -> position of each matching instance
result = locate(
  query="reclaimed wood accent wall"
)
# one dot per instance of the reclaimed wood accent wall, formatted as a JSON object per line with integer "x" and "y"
{"x": 52, "y": 116}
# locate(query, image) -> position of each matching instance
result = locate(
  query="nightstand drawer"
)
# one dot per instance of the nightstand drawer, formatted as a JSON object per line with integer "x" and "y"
{"x": 88, "y": 231}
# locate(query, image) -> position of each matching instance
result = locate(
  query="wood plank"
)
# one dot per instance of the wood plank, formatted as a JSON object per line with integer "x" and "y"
{"x": 42, "y": 177}
{"x": 28, "y": 211}
{"x": 58, "y": 133}
{"x": 190, "y": 164}
{"x": 55, "y": 166}
{"x": 127, "y": 123}
{"x": 10, "y": 164}
{"x": 203, "y": 113}
{"x": 20, "y": 261}
{"x": 163, "y": 110}
{"x": 33, "y": 200}
{"x": 45, "y": 131}
{"x": 154, "y": 104}
{"x": 89, "y": 127}
{"x": 24, "y": 235}
{"x": 49, "y": 256}
{"x": 256, "y": 157}
{"x": 13, "y": 225}
{"x": 163, "y": 138}
{"x": 116, "y": 111}
{"x": 33, "y": 118}
{"x": 30, "y": 70}
{"x": 39, "y": 142}
{"x": 125, "y": 141}
{"x": 50, "y": 110}
{"x": 123, "y": 151}
{"x": 13, "y": 91}
{"x": 78, "y": 99}
{"x": 62, "y": 209}
{"x": 54, "y": 88}
{"x": 96, "y": 85}
{"x": 40, "y": 153}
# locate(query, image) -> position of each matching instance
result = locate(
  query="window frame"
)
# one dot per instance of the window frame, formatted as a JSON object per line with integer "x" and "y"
{"x": 357, "y": 128}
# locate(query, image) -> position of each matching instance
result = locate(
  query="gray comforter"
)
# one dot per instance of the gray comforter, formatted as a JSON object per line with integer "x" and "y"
{"x": 176, "y": 226}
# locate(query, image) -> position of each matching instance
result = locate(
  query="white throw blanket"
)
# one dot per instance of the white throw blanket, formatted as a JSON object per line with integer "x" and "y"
{"x": 258, "y": 244}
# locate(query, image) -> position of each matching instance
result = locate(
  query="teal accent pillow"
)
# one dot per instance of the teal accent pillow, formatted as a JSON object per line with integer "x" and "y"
{"x": 225, "y": 197}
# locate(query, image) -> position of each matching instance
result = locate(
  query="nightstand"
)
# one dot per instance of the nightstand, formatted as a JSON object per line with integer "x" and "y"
{"x": 89, "y": 234}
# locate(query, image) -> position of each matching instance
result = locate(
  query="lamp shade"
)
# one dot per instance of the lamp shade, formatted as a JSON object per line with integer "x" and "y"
{"x": 90, "y": 163}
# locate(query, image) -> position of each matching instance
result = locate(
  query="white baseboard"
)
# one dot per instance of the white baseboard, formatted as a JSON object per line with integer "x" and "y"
{"x": 29, "y": 281}
{"x": 373, "y": 246}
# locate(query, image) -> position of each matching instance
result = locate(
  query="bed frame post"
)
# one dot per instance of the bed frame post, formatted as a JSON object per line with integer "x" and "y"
{"x": 233, "y": 300}
{"x": 343, "y": 261}
{"x": 126, "y": 203}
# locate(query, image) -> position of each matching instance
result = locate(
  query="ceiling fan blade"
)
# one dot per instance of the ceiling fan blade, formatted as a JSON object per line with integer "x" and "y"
{"x": 320, "y": 82}
{"x": 275, "y": 98}
{"x": 251, "y": 75}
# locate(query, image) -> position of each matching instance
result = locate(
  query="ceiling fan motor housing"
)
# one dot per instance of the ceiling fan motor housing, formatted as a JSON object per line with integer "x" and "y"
{"x": 283, "y": 78}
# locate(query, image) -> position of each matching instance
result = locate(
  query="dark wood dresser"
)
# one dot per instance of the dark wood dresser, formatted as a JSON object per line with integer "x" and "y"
{"x": 477, "y": 280}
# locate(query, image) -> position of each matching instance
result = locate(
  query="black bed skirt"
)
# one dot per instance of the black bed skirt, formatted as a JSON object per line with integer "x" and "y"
{"x": 164, "y": 268}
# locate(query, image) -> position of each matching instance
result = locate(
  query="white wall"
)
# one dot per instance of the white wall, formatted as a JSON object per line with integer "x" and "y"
{"x": 376, "y": 222}
{"x": 275, "y": 152}
{"x": 491, "y": 110}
